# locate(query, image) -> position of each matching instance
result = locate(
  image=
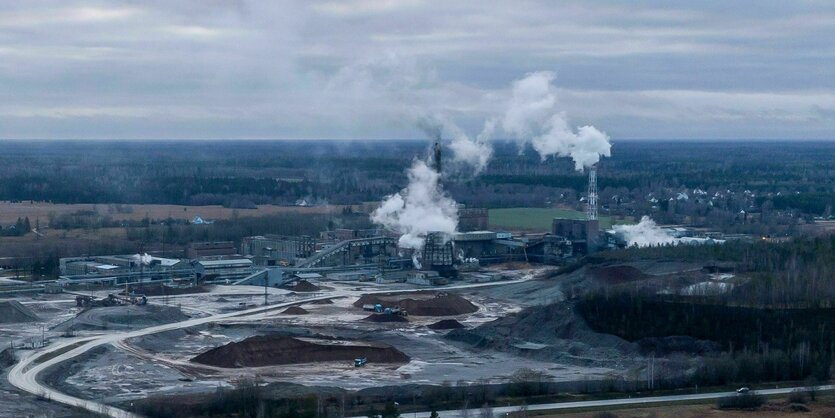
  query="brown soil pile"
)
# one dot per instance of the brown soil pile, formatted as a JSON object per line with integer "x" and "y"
{"x": 446, "y": 324}
{"x": 422, "y": 304}
{"x": 295, "y": 310}
{"x": 12, "y": 312}
{"x": 304, "y": 286}
{"x": 322, "y": 302}
{"x": 277, "y": 349}
{"x": 616, "y": 274}
{"x": 385, "y": 318}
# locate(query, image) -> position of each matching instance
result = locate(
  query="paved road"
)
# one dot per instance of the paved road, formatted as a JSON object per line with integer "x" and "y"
{"x": 637, "y": 402}
{"x": 24, "y": 375}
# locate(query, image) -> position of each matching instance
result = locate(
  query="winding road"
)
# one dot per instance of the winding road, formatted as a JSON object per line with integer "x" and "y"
{"x": 24, "y": 375}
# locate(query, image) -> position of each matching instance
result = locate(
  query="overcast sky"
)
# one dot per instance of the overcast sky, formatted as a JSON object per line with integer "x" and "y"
{"x": 367, "y": 69}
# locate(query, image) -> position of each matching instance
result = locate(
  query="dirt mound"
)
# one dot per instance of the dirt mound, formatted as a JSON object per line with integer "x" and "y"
{"x": 12, "y": 312}
{"x": 322, "y": 302}
{"x": 304, "y": 286}
{"x": 295, "y": 310}
{"x": 385, "y": 318}
{"x": 123, "y": 317}
{"x": 446, "y": 324}
{"x": 616, "y": 274}
{"x": 422, "y": 303}
{"x": 557, "y": 332}
{"x": 278, "y": 349}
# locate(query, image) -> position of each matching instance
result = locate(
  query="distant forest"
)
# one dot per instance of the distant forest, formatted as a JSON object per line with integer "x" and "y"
{"x": 780, "y": 175}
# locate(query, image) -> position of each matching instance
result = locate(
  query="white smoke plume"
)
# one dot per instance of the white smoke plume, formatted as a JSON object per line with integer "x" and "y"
{"x": 644, "y": 234}
{"x": 475, "y": 153}
{"x": 532, "y": 117}
{"x": 142, "y": 259}
{"x": 419, "y": 209}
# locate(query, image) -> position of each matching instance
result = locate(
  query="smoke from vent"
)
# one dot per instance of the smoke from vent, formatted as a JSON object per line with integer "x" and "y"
{"x": 644, "y": 234}
{"x": 142, "y": 259}
{"x": 419, "y": 209}
{"x": 532, "y": 117}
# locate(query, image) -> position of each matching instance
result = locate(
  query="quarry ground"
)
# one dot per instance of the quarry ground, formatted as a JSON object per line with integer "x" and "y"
{"x": 160, "y": 363}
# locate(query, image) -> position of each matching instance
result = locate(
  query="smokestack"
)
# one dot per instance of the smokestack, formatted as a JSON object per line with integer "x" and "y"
{"x": 591, "y": 210}
{"x": 436, "y": 156}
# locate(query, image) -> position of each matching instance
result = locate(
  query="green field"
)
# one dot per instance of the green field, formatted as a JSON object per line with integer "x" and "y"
{"x": 536, "y": 219}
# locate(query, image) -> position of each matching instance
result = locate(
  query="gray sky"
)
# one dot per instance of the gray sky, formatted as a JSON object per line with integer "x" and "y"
{"x": 368, "y": 69}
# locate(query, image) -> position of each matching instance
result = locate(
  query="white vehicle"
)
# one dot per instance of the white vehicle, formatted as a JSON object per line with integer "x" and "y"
{"x": 742, "y": 390}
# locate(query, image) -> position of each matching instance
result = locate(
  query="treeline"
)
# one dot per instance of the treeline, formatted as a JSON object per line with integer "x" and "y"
{"x": 758, "y": 344}
{"x": 795, "y": 273}
{"x": 19, "y": 229}
{"x": 172, "y": 232}
{"x": 242, "y": 173}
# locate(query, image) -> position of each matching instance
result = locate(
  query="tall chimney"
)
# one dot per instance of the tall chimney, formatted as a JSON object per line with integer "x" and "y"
{"x": 591, "y": 211}
{"x": 436, "y": 156}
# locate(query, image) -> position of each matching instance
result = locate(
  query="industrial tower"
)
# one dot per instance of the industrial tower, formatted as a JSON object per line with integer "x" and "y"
{"x": 591, "y": 210}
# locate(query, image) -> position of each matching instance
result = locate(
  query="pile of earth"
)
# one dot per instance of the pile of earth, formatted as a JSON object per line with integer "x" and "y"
{"x": 557, "y": 332}
{"x": 13, "y": 312}
{"x": 446, "y": 324}
{"x": 163, "y": 290}
{"x": 123, "y": 317}
{"x": 268, "y": 350}
{"x": 322, "y": 302}
{"x": 385, "y": 318}
{"x": 421, "y": 303}
{"x": 295, "y": 310}
{"x": 304, "y": 286}
{"x": 616, "y": 274}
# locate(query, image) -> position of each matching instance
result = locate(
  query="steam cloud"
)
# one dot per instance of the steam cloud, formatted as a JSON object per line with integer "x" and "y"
{"x": 419, "y": 209}
{"x": 532, "y": 117}
{"x": 475, "y": 153}
{"x": 142, "y": 259}
{"x": 422, "y": 207}
{"x": 644, "y": 234}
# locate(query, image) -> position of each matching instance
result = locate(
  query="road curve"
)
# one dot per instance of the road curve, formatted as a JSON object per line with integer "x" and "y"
{"x": 24, "y": 375}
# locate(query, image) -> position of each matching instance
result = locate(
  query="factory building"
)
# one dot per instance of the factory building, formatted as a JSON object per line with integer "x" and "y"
{"x": 223, "y": 270}
{"x": 209, "y": 249}
{"x": 475, "y": 244}
{"x": 582, "y": 233}
{"x": 111, "y": 264}
{"x": 344, "y": 234}
{"x": 472, "y": 219}
{"x": 438, "y": 254}
{"x": 275, "y": 250}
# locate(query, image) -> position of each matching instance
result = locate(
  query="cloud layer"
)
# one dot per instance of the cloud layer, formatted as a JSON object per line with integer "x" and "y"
{"x": 298, "y": 69}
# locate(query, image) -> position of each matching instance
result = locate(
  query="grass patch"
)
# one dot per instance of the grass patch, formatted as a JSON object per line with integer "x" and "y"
{"x": 538, "y": 219}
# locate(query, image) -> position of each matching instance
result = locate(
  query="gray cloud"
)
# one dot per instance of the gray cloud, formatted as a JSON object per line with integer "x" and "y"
{"x": 368, "y": 68}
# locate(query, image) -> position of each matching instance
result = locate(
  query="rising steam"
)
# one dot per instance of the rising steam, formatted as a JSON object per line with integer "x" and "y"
{"x": 532, "y": 117}
{"x": 644, "y": 234}
{"x": 475, "y": 153}
{"x": 142, "y": 259}
{"x": 419, "y": 209}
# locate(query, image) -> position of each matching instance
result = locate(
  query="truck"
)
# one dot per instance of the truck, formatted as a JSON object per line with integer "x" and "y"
{"x": 359, "y": 362}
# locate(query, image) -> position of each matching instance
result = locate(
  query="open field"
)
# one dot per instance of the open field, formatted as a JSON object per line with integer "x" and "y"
{"x": 538, "y": 219}
{"x": 9, "y": 212}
